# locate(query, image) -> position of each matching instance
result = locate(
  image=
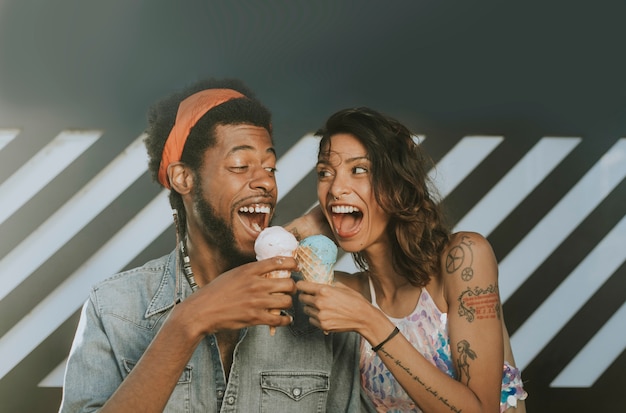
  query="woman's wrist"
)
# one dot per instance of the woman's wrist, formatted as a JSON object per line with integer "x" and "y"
{"x": 375, "y": 325}
{"x": 311, "y": 223}
{"x": 391, "y": 335}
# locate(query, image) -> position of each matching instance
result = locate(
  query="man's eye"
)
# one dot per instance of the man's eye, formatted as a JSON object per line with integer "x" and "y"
{"x": 270, "y": 169}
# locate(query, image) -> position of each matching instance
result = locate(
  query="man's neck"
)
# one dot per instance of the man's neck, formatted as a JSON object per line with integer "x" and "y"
{"x": 206, "y": 262}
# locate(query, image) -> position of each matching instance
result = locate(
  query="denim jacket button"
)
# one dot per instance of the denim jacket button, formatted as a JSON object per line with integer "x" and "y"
{"x": 230, "y": 400}
{"x": 297, "y": 391}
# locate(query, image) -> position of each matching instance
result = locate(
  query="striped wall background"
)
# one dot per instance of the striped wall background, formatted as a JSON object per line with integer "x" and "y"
{"x": 555, "y": 212}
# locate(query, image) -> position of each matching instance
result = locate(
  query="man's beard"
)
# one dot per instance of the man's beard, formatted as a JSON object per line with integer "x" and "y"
{"x": 218, "y": 233}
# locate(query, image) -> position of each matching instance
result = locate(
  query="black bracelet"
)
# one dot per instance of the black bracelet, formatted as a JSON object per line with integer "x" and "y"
{"x": 389, "y": 337}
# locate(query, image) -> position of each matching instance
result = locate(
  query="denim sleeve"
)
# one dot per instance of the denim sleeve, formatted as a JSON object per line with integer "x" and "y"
{"x": 92, "y": 373}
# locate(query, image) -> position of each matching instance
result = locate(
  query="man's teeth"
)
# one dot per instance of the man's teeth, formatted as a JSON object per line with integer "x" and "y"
{"x": 255, "y": 209}
{"x": 344, "y": 209}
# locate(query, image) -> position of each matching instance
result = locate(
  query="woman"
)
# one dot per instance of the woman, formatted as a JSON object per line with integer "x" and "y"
{"x": 426, "y": 302}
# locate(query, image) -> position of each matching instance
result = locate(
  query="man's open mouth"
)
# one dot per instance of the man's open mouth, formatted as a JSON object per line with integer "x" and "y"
{"x": 255, "y": 216}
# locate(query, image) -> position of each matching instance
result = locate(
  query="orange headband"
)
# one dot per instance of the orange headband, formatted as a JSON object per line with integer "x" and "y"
{"x": 189, "y": 112}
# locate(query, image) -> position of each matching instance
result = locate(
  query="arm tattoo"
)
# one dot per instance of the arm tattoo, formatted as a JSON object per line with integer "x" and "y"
{"x": 296, "y": 233}
{"x": 456, "y": 258}
{"x": 415, "y": 378}
{"x": 465, "y": 354}
{"x": 479, "y": 303}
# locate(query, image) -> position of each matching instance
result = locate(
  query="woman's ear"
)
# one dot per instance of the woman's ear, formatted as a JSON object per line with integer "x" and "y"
{"x": 181, "y": 179}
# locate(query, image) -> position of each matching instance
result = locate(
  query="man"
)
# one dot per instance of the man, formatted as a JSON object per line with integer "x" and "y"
{"x": 189, "y": 331}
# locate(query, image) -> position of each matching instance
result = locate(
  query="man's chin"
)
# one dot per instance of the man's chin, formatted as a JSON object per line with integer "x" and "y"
{"x": 237, "y": 256}
{"x": 247, "y": 256}
{"x": 245, "y": 248}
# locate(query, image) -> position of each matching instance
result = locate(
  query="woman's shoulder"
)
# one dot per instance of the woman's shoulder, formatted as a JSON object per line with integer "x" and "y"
{"x": 358, "y": 281}
{"x": 468, "y": 257}
{"x": 466, "y": 242}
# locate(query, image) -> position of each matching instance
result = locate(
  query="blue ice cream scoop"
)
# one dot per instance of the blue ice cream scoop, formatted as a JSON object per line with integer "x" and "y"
{"x": 317, "y": 255}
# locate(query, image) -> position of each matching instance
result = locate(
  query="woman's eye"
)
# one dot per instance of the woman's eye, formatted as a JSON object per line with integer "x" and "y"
{"x": 359, "y": 170}
{"x": 323, "y": 173}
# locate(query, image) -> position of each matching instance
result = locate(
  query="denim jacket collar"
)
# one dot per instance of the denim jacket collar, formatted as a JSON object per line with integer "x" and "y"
{"x": 171, "y": 289}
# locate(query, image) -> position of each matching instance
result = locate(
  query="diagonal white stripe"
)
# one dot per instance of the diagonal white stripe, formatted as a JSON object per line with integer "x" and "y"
{"x": 55, "y": 377}
{"x": 57, "y": 307}
{"x": 522, "y": 179}
{"x": 566, "y": 215}
{"x": 42, "y": 243}
{"x": 295, "y": 164}
{"x": 43, "y": 168}
{"x": 597, "y": 355}
{"x": 346, "y": 264}
{"x": 466, "y": 155}
{"x": 419, "y": 139}
{"x": 6, "y": 136}
{"x": 570, "y": 296}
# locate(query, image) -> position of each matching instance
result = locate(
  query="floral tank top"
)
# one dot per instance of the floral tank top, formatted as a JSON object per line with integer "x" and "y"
{"x": 426, "y": 328}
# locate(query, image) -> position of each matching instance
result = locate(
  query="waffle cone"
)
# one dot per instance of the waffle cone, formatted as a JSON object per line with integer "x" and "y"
{"x": 313, "y": 268}
{"x": 276, "y": 274}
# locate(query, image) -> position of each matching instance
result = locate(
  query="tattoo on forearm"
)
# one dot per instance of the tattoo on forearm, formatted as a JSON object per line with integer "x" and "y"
{"x": 415, "y": 378}
{"x": 465, "y": 354}
{"x": 295, "y": 233}
{"x": 458, "y": 256}
{"x": 479, "y": 303}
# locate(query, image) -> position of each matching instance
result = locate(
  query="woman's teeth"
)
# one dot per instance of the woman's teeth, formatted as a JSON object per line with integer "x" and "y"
{"x": 344, "y": 209}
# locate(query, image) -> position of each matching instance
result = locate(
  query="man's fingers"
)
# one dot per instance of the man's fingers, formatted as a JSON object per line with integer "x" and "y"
{"x": 262, "y": 267}
{"x": 308, "y": 287}
{"x": 281, "y": 301}
{"x": 280, "y": 318}
{"x": 274, "y": 264}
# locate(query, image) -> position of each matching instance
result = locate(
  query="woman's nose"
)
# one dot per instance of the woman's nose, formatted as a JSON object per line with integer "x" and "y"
{"x": 338, "y": 188}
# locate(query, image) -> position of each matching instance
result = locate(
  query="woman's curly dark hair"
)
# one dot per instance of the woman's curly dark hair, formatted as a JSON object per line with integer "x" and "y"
{"x": 162, "y": 116}
{"x": 401, "y": 185}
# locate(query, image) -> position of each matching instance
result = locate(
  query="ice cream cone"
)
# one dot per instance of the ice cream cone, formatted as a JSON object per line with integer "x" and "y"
{"x": 272, "y": 242}
{"x": 276, "y": 274}
{"x": 316, "y": 256}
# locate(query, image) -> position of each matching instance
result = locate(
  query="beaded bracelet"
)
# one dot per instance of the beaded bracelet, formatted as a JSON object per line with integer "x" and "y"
{"x": 389, "y": 337}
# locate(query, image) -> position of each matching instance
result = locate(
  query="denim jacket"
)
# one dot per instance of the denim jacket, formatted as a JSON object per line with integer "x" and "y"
{"x": 299, "y": 369}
